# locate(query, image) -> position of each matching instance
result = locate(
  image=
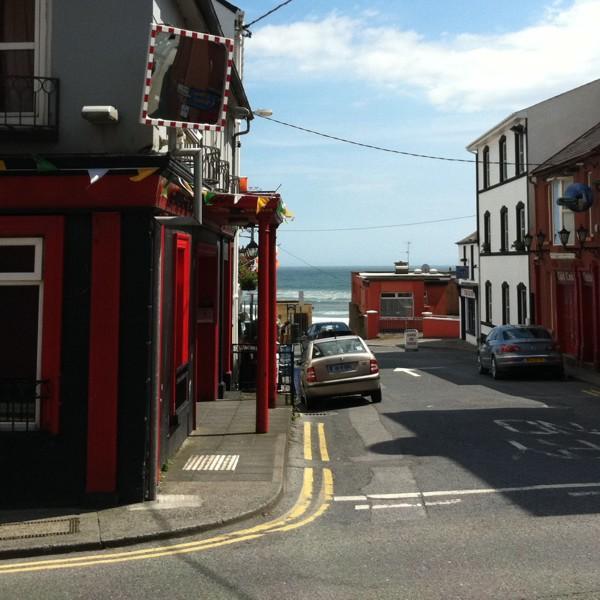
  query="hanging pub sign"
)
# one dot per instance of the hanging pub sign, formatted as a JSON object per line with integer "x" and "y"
{"x": 188, "y": 78}
{"x": 578, "y": 197}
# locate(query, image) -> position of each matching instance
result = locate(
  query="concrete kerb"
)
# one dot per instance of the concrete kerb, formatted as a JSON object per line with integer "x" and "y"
{"x": 282, "y": 450}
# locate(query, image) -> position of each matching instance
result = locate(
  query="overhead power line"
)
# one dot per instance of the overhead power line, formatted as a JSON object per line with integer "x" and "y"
{"x": 371, "y": 146}
{"x": 266, "y": 14}
{"x": 383, "y": 149}
{"x": 287, "y": 230}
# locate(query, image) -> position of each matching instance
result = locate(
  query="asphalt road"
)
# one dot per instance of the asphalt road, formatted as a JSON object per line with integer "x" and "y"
{"x": 455, "y": 486}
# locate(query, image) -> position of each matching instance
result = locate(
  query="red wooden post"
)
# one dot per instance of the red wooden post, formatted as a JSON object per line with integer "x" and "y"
{"x": 228, "y": 317}
{"x": 273, "y": 316}
{"x": 263, "y": 366}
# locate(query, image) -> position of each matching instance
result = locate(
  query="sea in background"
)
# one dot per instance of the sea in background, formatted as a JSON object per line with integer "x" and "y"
{"x": 326, "y": 288}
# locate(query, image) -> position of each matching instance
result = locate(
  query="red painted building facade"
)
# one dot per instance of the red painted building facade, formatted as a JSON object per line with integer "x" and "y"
{"x": 394, "y": 301}
{"x": 566, "y": 279}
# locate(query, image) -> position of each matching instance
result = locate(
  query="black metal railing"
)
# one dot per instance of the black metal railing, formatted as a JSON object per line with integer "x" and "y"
{"x": 28, "y": 107}
{"x": 286, "y": 381}
{"x": 19, "y": 399}
{"x": 245, "y": 359}
{"x": 215, "y": 171}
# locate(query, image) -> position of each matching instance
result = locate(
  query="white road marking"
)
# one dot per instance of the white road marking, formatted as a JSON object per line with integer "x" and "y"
{"x": 349, "y": 498}
{"x": 444, "y": 502}
{"x": 407, "y": 371}
{"x": 577, "y": 494}
{"x": 394, "y": 496}
{"x": 362, "y": 507}
{"x": 403, "y": 505}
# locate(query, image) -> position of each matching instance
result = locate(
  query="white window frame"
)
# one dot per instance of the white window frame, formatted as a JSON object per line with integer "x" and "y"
{"x": 41, "y": 61}
{"x": 557, "y": 213}
{"x": 36, "y": 274}
{"x": 33, "y": 278}
{"x": 397, "y": 296}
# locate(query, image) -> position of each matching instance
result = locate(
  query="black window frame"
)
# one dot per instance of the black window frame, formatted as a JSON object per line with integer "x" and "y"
{"x": 519, "y": 152}
{"x": 505, "y": 303}
{"x": 487, "y": 231}
{"x": 486, "y": 167}
{"x": 504, "y": 245}
{"x": 488, "y": 301}
{"x": 502, "y": 159}
{"x": 522, "y": 303}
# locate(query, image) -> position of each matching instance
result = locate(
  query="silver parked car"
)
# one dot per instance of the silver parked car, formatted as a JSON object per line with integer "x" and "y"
{"x": 338, "y": 366}
{"x": 509, "y": 347}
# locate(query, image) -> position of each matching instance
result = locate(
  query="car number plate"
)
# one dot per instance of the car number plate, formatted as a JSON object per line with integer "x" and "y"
{"x": 536, "y": 360}
{"x": 341, "y": 368}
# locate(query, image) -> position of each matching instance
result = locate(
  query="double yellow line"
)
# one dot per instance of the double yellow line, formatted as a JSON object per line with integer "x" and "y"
{"x": 308, "y": 453}
{"x": 297, "y": 517}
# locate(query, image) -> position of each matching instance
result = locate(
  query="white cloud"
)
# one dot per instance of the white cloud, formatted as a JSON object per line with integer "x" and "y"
{"x": 466, "y": 72}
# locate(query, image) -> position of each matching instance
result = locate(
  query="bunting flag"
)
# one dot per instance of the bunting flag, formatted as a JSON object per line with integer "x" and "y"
{"x": 283, "y": 211}
{"x": 186, "y": 186}
{"x": 261, "y": 202}
{"x": 96, "y": 174}
{"x": 2, "y": 165}
{"x": 143, "y": 173}
{"x": 208, "y": 197}
{"x": 164, "y": 187}
{"x": 43, "y": 165}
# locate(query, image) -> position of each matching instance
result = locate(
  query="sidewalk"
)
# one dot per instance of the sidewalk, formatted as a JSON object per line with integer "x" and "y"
{"x": 242, "y": 475}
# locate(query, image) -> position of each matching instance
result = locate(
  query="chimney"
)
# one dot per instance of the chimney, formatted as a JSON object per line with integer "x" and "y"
{"x": 401, "y": 267}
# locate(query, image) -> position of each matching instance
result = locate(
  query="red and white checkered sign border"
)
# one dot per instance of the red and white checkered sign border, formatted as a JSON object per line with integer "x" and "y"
{"x": 227, "y": 42}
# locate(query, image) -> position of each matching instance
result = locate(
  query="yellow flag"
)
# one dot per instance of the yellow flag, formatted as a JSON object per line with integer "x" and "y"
{"x": 261, "y": 202}
{"x": 143, "y": 173}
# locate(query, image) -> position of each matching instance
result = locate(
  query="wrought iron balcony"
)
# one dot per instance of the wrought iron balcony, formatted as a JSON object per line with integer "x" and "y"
{"x": 19, "y": 400}
{"x": 215, "y": 171}
{"x": 28, "y": 108}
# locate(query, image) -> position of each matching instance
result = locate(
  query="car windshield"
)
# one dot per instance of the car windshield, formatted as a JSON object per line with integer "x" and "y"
{"x": 332, "y": 327}
{"x": 337, "y": 346}
{"x": 524, "y": 333}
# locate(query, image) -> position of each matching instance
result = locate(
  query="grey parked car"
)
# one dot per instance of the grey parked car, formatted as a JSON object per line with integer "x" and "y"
{"x": 338, "y": 366}
{"x": 509, "y": 347}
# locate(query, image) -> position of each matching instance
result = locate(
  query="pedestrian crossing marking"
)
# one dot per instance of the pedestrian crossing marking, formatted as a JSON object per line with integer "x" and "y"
{"x": 212, "y": 462}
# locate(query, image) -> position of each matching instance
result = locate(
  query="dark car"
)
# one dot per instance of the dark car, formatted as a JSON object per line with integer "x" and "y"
{"x": 518, "y": 347}
{"x": 326, "y": 329}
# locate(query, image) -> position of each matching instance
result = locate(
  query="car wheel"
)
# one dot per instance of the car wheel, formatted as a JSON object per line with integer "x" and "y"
{"x": 480, "y": 368}
{"x": 376, "y": 396}
{"x": 496, "y": 374}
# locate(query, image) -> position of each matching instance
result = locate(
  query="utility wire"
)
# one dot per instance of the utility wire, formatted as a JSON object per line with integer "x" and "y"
{"x": 390, "y": 150}
{"x": 311, "y": 266}
{"x": 382, "y": 226}
{"x": 267, "y": 14}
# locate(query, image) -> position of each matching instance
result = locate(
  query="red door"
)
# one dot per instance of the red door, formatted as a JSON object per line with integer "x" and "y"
{"x": 565, "y": 312}
{"x": 587, "y": 312}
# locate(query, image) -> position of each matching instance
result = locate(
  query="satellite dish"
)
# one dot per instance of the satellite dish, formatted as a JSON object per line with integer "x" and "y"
{"x": 578, "y": 197}
{"x": 425, "y": 268}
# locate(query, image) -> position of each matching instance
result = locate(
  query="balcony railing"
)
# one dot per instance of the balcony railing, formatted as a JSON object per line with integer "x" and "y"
{"x": 215, "y": 171}
{"x": 19, "y": 403}
{"x": 28, "y": 107}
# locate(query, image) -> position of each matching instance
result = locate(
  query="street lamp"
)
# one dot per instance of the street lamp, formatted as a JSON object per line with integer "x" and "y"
{"x": 251, "y": 250}
{"x": 564, "y": 235}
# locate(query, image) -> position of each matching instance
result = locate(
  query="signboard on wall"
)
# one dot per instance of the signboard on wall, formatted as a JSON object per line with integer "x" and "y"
{"x": 188, "y": 78}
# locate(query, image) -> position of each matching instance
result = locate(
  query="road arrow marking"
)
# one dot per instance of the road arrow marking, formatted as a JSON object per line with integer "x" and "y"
{"x": 407, "y": 371}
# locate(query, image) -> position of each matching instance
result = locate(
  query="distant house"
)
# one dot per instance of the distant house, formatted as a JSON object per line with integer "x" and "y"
{"x": 566, "y": 277}
{"x": 393, "y": 301}
{"x": 506, "y": 155}
{"x": 468, "y": 287}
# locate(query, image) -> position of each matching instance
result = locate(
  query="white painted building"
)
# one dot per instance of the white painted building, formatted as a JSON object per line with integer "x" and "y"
{"x": 506, "y": 155}
{"x": 467, "y": 280}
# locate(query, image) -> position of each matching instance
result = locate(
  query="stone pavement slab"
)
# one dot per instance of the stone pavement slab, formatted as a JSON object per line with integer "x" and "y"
{"x": 224, "y": 472}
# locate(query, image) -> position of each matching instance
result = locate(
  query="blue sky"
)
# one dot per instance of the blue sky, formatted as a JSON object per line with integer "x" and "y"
{"x": 425, "y": 77}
